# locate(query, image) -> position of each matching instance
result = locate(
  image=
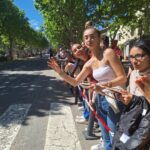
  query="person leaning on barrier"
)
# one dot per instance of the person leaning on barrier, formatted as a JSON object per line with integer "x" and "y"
{"x": 140, "y": 59}
{"x": 81, "y": 55}
{"x": 99, "y": 59}
{"x": 134, "y": 126}
{"x": 74, "y": 67}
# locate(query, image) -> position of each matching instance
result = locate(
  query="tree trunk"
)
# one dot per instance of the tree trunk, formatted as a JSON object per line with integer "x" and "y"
{"x": 10, "y": 49}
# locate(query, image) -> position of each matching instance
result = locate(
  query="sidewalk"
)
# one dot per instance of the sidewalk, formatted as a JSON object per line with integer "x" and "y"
{"x": 79, "y": 128}
{"x": 85, "y": 144}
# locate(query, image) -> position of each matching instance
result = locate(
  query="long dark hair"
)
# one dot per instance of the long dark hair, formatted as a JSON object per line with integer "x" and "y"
{"x": 143, "y": 44}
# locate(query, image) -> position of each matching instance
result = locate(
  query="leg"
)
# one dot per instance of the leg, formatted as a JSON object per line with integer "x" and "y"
{"x": 102, "y": 107}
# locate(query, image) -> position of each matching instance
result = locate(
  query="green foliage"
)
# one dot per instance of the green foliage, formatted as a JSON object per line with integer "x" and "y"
{"x": 116, "y": 13}
{"x": 15, "y": 28}
{"x": 64, "y": 19}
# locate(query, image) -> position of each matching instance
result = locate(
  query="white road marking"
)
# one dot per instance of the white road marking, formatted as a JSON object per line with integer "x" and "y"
{"x": 48, "y": 73}
{"x": 10, "y": 123}
{"x": 61, "y": 132}
{"x": 8, "y": 72}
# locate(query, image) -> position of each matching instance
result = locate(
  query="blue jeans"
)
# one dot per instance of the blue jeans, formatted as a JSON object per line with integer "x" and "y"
{"x": 110, "y": 118}
{"x": 86, "y": 111}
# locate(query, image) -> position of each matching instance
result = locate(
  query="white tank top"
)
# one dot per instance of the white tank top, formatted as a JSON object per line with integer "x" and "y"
{"x": 104, "y": 74}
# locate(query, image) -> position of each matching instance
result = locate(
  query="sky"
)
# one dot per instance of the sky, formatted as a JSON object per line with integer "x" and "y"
{"x": 34, "y": 16}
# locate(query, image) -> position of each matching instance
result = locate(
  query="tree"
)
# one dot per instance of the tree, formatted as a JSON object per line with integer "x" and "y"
{"x": 116, "y": 13}
{"x": 64, "y": 19}
{"x": 16, "y": 28}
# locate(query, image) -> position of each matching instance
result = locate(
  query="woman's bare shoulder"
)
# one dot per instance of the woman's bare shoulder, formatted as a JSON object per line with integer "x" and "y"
{"x": 88, "y": 64}
{"x": 109, "y": 51}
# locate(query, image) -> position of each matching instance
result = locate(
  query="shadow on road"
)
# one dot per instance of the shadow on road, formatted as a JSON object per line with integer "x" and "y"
{"x": 38, "y": 90}
{"x": 25, "y": 65}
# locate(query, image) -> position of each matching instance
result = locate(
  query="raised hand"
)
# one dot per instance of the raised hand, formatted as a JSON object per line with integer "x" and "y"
{"x": 54, "y": 65}
{"x": 143, "y": 84}
{"x": 126, "y": 97}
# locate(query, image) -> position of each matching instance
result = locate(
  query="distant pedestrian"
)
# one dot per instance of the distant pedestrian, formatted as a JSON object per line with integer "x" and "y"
{"x": 50, "y": 51}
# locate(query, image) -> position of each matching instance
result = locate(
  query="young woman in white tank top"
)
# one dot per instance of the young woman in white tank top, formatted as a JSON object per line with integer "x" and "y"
{"x": 104, "y": 74}
{"x": 107, "y": 61}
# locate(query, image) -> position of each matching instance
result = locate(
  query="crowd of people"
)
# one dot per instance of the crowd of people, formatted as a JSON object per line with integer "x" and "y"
{"x": 98, "y": 80}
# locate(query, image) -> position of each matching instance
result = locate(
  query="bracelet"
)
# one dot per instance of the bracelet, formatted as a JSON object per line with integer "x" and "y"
{"x": 109, "y": 84}
{"x": 94, "y": 89}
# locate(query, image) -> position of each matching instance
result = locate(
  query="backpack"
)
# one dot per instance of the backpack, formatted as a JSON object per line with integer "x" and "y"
{"x": 133, "y": 129}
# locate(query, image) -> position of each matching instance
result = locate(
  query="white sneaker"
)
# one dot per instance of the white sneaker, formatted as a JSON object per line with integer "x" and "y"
{"x": 79, "y": 117}
{"x": 81, "y": 108}
{"x": 82, "y": 121}
{"x": 99, "y": 146}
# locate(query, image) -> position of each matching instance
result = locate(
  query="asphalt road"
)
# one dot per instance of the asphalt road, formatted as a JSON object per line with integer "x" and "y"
{"x": 30, "y": 87}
